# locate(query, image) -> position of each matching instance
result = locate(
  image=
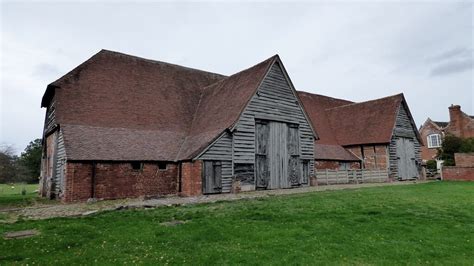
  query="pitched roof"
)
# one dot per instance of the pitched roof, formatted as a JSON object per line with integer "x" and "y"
{"x": 119, "y": 144}
{"x": 316, "y": 106}
{"x": 343, "y": 123}
{"x": 441, "y": 124}
{"x": 221, "y": 105}
{"x": 369, "y": 122}
{"x": 113, "y": 93}
{"x": 333, "y": 152}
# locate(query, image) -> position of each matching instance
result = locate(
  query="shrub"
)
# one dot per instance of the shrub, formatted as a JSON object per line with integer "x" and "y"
{"x": 431, "y": 165}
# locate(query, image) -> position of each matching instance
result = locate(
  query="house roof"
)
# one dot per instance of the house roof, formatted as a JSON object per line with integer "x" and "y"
{"x": 441, "y": 124}
{"x": 127, "y": 96}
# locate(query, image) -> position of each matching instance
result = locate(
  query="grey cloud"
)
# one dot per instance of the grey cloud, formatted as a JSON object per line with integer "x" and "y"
{"x": 460, "y": 52}
{"x": 452, "y": 67}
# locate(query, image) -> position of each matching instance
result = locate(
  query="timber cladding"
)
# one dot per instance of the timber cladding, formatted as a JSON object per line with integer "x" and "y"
{"x": 118, "y": 180}
{"x": 271, "y": 145}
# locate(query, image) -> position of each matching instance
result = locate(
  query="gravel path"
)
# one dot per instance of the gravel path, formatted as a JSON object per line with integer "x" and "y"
{"x": 56, "y": 209}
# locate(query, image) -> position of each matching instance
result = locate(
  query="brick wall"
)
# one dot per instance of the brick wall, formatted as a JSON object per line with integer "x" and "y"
{"x": 460, "y": 124}
{"x": 429, "y": 153}
{"x": 118, "y": 180}
{"x": 458, "y": 173}
{"x": 464, "y": 159}
{"x": 375, "y": 156}
{"x": 191, "y": 178}
{"x": 321, "y": 165}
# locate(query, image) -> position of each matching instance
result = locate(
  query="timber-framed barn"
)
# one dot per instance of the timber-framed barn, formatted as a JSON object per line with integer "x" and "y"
{"x": 121, "y": 126}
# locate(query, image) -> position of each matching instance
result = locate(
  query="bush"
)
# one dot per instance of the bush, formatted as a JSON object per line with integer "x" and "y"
{"x": 431, "y": 165}
{"x": 451, "y": 145}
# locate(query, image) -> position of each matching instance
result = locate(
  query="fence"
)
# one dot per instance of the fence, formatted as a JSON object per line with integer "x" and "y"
{"x": 357, "y": 176}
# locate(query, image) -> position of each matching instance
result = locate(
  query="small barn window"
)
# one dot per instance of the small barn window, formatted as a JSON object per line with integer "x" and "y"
{"x": 434, "y": 141}
{"x": 137, "y": 166}
{"x": 162, "y": 165}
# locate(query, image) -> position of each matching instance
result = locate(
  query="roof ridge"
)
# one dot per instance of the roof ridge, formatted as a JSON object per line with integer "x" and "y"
{"x": 157, "y": 62}
{"x": 325, "y": 96}
{"x": 240, "y": 72}
{"x": 204, "y": 90}
{"x": 369, "y": 101}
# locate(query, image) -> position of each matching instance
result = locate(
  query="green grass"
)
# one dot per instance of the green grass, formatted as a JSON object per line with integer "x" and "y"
{"x": 11, "y": 195}
{"x": 416, "y": 224}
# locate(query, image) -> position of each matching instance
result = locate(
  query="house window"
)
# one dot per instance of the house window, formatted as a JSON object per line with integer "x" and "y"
{"x": 137, "y": 166}
{"x": 434, "y": 141}
{"x": 162, "y": 165}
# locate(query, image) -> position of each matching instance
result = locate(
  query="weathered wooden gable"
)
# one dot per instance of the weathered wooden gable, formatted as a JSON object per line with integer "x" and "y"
{"x": 274, "y": 100}
{"x": 404, "y": 128}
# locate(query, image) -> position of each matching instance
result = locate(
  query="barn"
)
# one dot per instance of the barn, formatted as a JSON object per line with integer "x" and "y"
{"x": 122, "y": 126}
{"x": 376, "y": 134}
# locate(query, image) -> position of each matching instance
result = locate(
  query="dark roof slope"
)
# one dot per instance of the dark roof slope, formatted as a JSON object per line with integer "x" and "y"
{"x": 221, "y": 105}
{"x": 333, "y": 152}
{"x": 441, "y": 124}
{"x": 316, "y": 106}
{"x": 117, "y": 94}
{"x": 119, "y": 144}
{"x": 368, "y": 122}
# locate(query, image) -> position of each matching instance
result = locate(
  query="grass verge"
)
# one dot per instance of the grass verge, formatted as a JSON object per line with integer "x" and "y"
{"x": 428, "y": 223}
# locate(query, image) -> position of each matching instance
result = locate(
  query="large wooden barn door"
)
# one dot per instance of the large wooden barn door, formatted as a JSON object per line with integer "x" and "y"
{"x": 406, "y": 159}
{"x": 212, "y": 177}
{"x": 262, "y": 175}
{"x": 277, "y": 155}
{"x": 294, "y": 168}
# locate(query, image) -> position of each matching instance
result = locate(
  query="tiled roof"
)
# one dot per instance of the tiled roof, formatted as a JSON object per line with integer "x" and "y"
{"x": 178, "y": 110}
{"x": 333, "y": 152}
{"x": 369, "y": 122}
{"x": 343, "y": 123}
{"x": 441, "y": 124}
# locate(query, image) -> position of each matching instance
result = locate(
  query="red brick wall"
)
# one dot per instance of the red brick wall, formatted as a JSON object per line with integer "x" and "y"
{"x": 321, "y": 165}
{"x": 375, "y": 156}
{"x": 426, "y": 130}
{"x": 458, "y": 173}
{"x": 460, "y": 124}
{"x": 464, "y": 159}
{"x": 191, "y": 178}
{"x": 119, "y": 180}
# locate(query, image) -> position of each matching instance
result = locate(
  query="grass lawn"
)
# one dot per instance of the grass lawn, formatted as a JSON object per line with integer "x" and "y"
{"x": 11, "y": 195}
{"x": 430, "y": 223}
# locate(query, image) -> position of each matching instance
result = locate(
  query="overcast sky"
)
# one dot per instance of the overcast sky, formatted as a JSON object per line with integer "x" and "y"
{"x": 352, "y": 50}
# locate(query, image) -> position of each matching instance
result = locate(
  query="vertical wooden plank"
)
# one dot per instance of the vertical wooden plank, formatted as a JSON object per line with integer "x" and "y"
{"x": 261, "y": 160}
{"x": 217, "y": 180}
{"x": 208, "y": 177}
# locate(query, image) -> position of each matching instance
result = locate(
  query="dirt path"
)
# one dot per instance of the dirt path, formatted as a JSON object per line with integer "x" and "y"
{"x": 45, "y": 211}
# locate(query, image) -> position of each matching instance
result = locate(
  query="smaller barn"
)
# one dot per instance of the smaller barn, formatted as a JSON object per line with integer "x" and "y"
{"x": 376, "y": 134}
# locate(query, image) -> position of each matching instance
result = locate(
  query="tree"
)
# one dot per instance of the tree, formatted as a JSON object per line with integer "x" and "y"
{"x": 8, "y": 171}
{"x": 451, "y": 145}
{"x": 30, "y": 161}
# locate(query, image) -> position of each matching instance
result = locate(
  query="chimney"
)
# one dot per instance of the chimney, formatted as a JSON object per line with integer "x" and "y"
{"x": 455, "y": 120}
